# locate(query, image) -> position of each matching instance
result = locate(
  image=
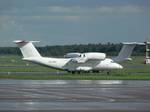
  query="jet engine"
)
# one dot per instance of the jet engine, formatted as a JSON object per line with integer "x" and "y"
{"x": 72, "y": 55}
{"x": 83, "y": 57}
{"x": 89, "y": 55}
{"x": 94, "y": 55}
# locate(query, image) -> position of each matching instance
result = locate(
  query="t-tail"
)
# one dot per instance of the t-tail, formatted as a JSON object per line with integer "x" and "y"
{"x": 126, "y": 51}
{"x": 27, "y": 48}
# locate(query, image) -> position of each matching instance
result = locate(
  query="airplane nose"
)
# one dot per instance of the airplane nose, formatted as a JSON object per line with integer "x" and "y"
{"x": 117, "y": 66}
{"x": 120, "y": 67}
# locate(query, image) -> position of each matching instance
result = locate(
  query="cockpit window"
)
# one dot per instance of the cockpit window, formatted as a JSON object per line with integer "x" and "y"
{"x": 112, "y": 61}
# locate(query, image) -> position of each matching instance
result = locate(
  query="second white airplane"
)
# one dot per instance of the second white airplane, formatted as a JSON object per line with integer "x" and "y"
{"x": 76, "y": 62}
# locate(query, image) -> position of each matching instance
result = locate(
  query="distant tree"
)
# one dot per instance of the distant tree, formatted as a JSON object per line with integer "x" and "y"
{"x": 110, "y": 49}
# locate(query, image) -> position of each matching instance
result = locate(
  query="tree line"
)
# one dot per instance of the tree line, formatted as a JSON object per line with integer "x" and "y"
{"x": 110, "y": 49}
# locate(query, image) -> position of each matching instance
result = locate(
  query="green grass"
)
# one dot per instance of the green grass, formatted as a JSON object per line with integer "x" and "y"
{"x": 133, "y": 70}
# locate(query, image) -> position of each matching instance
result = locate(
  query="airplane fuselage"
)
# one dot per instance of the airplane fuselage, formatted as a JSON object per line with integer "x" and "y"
{"x": 68, "y": 64}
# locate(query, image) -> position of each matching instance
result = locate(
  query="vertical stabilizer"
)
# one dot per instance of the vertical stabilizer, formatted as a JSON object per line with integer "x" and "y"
{"x": 27, "y": 48}
{"x": 126, "y": 51}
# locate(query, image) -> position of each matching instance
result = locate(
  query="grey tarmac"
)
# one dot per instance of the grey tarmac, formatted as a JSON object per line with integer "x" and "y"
{"x": 74, "y": 96}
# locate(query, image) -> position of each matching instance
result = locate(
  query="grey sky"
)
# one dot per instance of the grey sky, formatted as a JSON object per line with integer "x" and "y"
{"x": 55, "y": 22}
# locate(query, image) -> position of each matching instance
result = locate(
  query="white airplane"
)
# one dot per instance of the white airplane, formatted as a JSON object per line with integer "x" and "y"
{"x": 76, "y": 62}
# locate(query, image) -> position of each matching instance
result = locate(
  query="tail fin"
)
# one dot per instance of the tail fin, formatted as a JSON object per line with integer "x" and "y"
{"x": 126, "y": 51}
{"x": 27, "y": 48}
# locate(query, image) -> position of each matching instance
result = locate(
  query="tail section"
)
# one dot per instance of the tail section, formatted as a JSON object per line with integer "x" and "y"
{"x": 27, "y": 48}
{"x": 126, "y": 51}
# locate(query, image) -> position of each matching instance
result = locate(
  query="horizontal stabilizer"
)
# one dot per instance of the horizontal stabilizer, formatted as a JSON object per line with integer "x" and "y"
{"x": 27, "y": 48}
{"x": 24, "y": 41}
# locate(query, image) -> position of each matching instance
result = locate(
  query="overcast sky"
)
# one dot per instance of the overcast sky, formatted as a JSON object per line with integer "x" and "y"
{"x": 61, "y": 22}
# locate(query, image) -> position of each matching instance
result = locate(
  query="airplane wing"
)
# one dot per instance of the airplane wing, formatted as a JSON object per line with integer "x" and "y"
{"x": 84, "y": 65}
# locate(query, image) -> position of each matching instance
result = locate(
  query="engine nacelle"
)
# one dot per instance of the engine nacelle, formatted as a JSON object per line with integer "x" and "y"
{"x": 83, "y": 57}
{"x": 72, "y": 55}
{"x": 94, "y": 55}
{"x": 89, "y": 55}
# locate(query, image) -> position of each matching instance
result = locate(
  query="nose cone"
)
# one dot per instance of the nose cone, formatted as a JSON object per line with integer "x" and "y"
{"x": 117, "y": 66}
{"x": 120, "y": 67}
